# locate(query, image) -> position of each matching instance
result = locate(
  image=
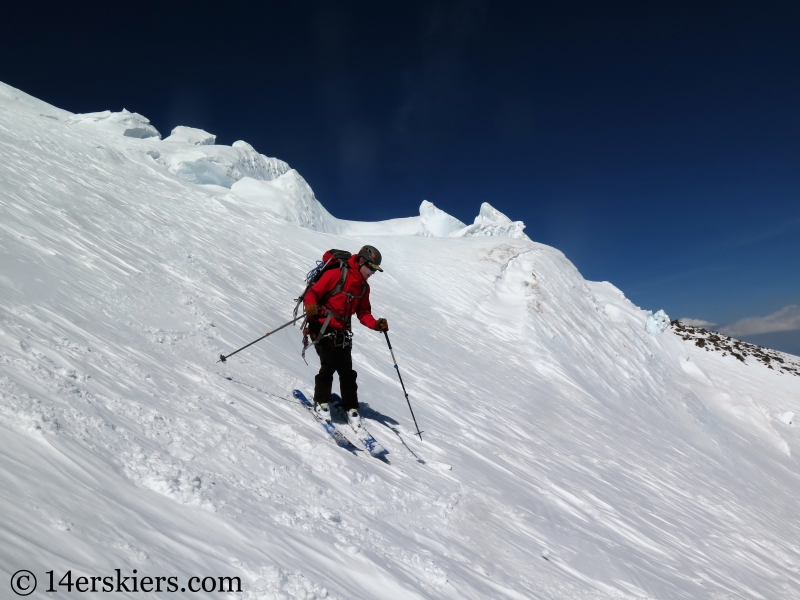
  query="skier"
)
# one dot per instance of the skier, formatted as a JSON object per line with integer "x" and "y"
{"x": 329, "y": 304}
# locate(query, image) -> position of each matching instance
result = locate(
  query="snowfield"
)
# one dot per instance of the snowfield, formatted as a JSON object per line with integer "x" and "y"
{"x": 569, "y": 451}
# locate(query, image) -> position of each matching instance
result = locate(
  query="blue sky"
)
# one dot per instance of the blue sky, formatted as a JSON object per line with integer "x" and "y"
{"x": 657, "y": 146}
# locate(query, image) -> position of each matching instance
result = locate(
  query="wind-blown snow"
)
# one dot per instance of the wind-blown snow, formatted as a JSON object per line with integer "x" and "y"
{"x": 491, "y": 222}
{"x": 436, "y": 222}
{"x": 287, "y": 197}
{"x": 432, "y": 222}
{"x": 192, "y": 136}
{"x": 281, "y": 191}
{"x": 120, "y": 123}
{"x": 217, "y": 165}
{"x": 568, "y": 453}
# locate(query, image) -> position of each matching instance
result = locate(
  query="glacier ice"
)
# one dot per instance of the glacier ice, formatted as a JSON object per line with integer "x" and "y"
{"x": 656, "y": 323}
{"x": 220, "y": 165}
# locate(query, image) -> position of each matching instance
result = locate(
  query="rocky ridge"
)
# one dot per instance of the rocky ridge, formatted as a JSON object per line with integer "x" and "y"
{"x": 714, "y": 341}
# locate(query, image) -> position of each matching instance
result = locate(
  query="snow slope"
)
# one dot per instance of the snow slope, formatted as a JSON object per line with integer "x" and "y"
{"x": 568, "y": 452}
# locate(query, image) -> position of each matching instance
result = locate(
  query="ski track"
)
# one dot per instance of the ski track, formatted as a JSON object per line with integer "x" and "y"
{"x": 567, "y": 453}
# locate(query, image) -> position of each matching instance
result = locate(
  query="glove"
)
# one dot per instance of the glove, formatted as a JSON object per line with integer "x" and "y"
{"x": 312, "y": 310}
{"x": 381, "y": 325}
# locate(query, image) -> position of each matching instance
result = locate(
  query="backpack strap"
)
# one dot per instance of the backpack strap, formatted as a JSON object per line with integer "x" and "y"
{"x": 339, "y": 286}
{"x": 359, "y": 296}
{"x": 311, "y": 278}
{"x": 338, "y": 289}
{"x": 324, "y": 327}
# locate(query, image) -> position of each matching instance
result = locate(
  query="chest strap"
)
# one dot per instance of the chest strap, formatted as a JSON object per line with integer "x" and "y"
{"x": 339, "y": 289}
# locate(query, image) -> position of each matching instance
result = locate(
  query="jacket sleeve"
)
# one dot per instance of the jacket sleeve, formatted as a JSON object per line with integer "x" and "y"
{"x": 325, "y": 284}
{"x": 364, "y": 311}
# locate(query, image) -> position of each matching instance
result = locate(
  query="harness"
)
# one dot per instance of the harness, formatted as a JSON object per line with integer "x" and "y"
{"x": 341, "y": 337}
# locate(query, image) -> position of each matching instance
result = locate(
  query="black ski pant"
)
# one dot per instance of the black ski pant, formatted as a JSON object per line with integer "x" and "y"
{"x": 332, "y": 360}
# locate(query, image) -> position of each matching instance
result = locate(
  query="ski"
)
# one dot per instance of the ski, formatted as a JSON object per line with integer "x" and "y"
{"x": 337, "y": 435}
{"x": 363, "y": 436}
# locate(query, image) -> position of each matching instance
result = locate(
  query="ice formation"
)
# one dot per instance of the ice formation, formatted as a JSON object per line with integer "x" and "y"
{"x": 191, "y": 136}
{"x": 658, "y": 322}
{"x": 123, "y": 123}
{"x": 491, "y": 222}
{"x": 219, "y": 165}
{"x": 436, "y": 222}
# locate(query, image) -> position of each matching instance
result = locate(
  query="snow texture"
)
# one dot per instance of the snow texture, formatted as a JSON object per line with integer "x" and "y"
{"x": 191, "y": 136}
{"x": 491, "y": 222}
{"x": 123, "y": 123}
{"x": 288, "y": 197}
{"x": 567, "y": 454}
{"x": 436, "y": 222}
{"x": 218, "y": 165}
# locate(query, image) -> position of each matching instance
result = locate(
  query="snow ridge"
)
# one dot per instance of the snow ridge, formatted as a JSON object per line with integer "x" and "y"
{"x": 491, "y": 222}
{"x": 218, "y": 165}
{"x": 123, "y": 123}
{"x": 192, "y": 136}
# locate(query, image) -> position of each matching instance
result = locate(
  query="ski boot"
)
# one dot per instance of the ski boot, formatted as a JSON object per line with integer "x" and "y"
{"x": 354, "y": 419}
{"x": 324, "y": 412}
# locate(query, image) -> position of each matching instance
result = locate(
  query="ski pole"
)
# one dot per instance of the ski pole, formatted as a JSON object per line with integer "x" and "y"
{"x": 222, "y": 357}
{"x": 396, "y": 368}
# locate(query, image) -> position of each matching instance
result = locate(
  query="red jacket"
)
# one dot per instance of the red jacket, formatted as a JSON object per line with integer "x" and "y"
{"x": 340, "y": 303}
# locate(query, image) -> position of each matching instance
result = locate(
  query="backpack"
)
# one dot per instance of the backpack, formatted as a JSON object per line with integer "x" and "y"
{"x": 332, "y": 259}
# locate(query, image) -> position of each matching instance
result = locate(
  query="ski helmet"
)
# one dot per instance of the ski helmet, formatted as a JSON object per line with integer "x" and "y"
{"x": 372, "y": 256}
